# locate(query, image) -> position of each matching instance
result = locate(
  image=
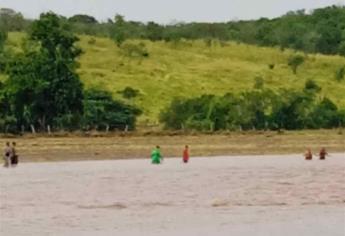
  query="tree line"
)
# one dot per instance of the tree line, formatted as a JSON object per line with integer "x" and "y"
{"x": 43, "y": 92}
{"x": 259, "y": 109}
{"x": 321, "y": 31}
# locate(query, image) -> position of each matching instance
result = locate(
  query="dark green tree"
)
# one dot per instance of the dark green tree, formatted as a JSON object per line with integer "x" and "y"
{"x": 154, "y": 31}
{"x": 311, "y": 86}
{"x": 84, "y": 19}
{"x": 3, "y": 38}
{"x": 101, "y": 111}
{"x": 340, "y": 73}
{"x": 3, "y": 54}
{"x": 118, "y": 31}
{"x": 43, "y": 85}
{"x": 295, "y": 61}
{"x": 129, "y": 93}
{"x": 325, "y": 115}
{"x": 11, "y": 20}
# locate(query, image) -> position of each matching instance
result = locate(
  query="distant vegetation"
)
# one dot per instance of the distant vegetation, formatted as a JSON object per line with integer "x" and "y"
{"x": 259, "y": 109}
{"x": 320, "y": 31}
{"x": 78, "y": 73}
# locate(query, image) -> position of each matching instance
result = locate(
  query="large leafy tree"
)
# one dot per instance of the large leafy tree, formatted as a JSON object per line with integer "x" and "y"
{"x": 43, "y": 85}
{"x": 101, "y": 111}
{"x": 84, "y": 19}
{"x": 118, "y": 31}
{"x": 11, "y": 20}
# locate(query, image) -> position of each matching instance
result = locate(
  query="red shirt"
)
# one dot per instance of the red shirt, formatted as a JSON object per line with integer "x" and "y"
{"x": 185, "y": 155}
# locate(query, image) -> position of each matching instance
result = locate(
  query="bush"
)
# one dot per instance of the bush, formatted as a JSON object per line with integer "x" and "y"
{"x": 101, "y": 111}
{"x": 295, "y": 61}
{"x": 132, "y": 50}
{"x": 91, "y": 41}
{"x": 259, "y": 82}
{"x": 325, "y": 115}
{"x": 258, "y": 109}
{"x": 129, "y": 93}
{"x": 311, "y": 85}
{"x": 340, "y": 73}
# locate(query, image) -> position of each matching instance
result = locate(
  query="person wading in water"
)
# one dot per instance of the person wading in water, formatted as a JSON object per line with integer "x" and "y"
{"x": 14, "y": 157}
{"x": 323, "y": 154}
{"x": 308, "y": 155}
{"x": 185, "y": 157}
{"x": 7, "y": 155}
{"x": 156, "y": 156}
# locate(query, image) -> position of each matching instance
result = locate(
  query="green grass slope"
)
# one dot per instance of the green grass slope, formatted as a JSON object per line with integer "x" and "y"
{"x": 191, "y": 68}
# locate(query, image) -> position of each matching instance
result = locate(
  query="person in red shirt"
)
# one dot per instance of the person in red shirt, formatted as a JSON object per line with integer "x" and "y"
{"x": 323, "y": 154}
{"x": 186, "y": 154}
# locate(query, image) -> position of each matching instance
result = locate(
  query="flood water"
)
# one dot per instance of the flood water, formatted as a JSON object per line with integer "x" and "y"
{"x": 249, "y": 195}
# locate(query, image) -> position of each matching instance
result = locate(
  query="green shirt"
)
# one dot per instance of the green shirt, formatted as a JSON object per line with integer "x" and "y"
{"x": 156, "y": 155}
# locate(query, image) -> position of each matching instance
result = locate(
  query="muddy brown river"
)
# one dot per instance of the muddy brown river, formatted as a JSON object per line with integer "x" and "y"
{"x": 247, "y": 195}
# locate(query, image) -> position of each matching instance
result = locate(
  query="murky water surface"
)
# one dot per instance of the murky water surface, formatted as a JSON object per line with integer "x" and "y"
{"x": 253, "y": 195}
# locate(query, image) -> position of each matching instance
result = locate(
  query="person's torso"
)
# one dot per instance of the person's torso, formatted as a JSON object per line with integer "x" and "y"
{"x": 185, "y": 154}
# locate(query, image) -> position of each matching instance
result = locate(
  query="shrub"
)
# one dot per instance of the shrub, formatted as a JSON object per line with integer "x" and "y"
{"x": 129, "y": 93}
{"x": 259, "y": 109}
{"x": 101, "y": 110}
{"x": 91, "y": 41}
{"x": 133, "y": 50}
{"x": 311, "y": 85}
{"x": 295, "y": 61}
{"x": 259, "y": 82}
{"x": 271, "y": 66}
{"x": 340, "y": 73}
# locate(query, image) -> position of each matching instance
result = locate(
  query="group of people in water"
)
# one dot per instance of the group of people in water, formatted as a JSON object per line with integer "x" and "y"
{"x": 10, "y": 155}
{"x": 309, "y": 155}
{"x": 157, "y": 158}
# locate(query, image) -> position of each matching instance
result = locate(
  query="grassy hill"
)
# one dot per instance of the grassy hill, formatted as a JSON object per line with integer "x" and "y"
{"x": 191, "y": 68}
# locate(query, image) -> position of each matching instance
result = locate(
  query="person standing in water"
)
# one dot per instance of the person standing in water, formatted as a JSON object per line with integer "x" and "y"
{"x": 185, "y": 157}
{"x": 156, "y": 156}
{"x": 14, "y": 157}
{"x": 323, "y": 154}
{"x": 308, "y": 155}
{"x": 7, "y": 155}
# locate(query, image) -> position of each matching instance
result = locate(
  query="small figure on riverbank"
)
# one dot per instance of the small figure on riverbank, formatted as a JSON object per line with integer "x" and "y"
{"x": 156, "y": 156}
{"x": 7, "y": 155}
{"x": 185, "y": 157}
{"x": 308, "y": 155}
{"x": 14, "y": 156}
{"x": 323, "y": 154}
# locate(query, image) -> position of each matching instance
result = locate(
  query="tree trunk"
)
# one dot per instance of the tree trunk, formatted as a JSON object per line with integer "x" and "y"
{"x": 42, "y": 122}
{"x": 33, "y": 129}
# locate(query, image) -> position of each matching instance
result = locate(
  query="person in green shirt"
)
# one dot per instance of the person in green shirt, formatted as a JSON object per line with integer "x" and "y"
{"x": 156, "y": 156}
